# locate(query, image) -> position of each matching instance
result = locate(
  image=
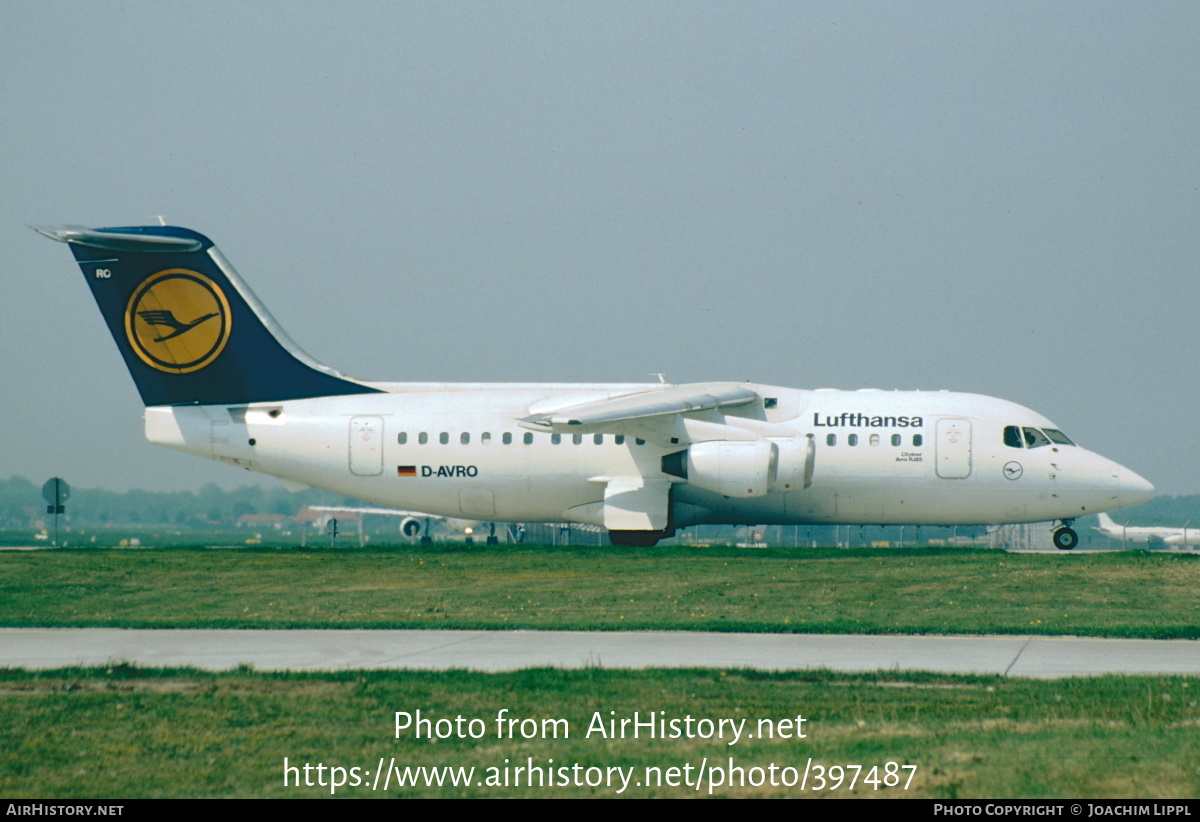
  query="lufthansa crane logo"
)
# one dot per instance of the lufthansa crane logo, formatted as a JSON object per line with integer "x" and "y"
{"x": 178, "y": 321}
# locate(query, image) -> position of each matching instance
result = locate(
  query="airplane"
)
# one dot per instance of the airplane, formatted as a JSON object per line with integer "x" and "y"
{"x": 1149, "y": 534}
{"x": 221, "y": 379}
{"x": 410, "y": 522}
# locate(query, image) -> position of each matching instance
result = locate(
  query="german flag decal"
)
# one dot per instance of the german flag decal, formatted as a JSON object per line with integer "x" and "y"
{"x": 406, "y": 470}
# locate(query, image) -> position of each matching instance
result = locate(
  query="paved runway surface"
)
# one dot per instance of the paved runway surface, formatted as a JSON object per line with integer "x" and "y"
{"x": 316, "y": 650}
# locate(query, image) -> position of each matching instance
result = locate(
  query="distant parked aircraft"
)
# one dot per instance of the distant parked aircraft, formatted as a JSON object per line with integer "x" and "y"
{"x": 1149, "y": 534}
{"x": 410, "y": 524}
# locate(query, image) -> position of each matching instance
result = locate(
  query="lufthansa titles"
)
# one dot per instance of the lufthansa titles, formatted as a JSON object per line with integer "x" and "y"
{"x": 851, "y": 419}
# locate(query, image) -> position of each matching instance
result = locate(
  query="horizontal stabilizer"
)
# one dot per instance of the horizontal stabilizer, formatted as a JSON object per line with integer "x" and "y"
{"x": 112, "y": 241}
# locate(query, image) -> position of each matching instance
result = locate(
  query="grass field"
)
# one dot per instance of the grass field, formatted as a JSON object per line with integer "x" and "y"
{"x": 961, "y": 591}
{"x": 130, "y": 733}
{"x": 125, "y": 732}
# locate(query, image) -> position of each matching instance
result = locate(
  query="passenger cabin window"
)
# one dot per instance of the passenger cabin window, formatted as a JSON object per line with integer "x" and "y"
{"x": 555, "y": 439}
{"x": 895, "y": 439}
{"x": 874, "y": 439}
{"x": 485, "y": 438}
{"x": 444, "y": 438}
{"x": 638, "y": 441}
{"x": 852, "y": 439}
{"x": 620, "y": 439}
{"x": 422, "y": 438}
{"x": 831, "y": 439}
{"x": 1057, "y": 437}
{"x": 527, "y": 439}
{"x": 1012, "y": 436}
{"x": 598, "y": 439}
{"x": 402, "y": 437}
{"x": 464, "y": 438}
{"x": 1035, "y": 438}
{"x": 577, "y": 438}
{"x": 918, "y": 440}
{"x": 507, "y": 438}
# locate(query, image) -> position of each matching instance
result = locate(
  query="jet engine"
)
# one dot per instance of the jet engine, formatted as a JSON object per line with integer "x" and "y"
{"x": 794, "y": 469}
{"x": 410, "y": 527}
{"x": 744, "y": 468}
{"x": 732, "y": 468}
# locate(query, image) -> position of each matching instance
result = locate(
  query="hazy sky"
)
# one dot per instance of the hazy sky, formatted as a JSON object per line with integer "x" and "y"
{"x": 990, "y": 197}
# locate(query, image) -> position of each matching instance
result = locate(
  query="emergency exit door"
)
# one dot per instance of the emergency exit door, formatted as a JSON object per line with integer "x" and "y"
{"x": 366, "y": 446}
{"x": 954, "y": 449}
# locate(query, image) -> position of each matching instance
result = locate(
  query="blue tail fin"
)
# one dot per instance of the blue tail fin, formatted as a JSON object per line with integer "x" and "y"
{"x": 190, "y": 330}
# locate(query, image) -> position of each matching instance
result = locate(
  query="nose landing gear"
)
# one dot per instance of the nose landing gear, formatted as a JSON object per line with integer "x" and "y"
{"x": 1065, "y": 537}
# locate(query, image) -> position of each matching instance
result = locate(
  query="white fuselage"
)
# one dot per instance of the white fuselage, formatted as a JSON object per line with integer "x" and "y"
{"x": 876, "y": 457}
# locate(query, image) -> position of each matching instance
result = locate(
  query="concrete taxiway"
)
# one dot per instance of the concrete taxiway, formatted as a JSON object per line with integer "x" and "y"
{"x": 325, "y": 650}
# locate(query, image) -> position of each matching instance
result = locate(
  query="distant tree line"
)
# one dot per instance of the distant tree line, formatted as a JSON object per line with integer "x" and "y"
{"x": 21, "y": 501}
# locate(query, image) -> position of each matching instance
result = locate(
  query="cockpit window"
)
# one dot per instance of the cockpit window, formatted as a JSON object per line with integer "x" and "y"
{"x": 1012, "y": 436}
{"x": 1057, "y": 437}
{"x": 1035, "y": 438}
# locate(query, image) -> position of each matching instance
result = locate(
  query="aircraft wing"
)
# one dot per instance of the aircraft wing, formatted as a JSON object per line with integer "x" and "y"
{"x": 601, "y": 416}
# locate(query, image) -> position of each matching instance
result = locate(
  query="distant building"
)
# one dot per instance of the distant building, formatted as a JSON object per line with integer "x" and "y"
{"x": 318, "y": 519}
{"x": 276, "y": 521}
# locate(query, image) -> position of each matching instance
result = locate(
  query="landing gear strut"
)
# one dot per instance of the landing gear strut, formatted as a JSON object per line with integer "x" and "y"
{"x": 1065, "y": 537}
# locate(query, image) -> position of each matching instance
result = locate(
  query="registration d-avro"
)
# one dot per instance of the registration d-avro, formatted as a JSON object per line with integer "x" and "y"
{"x": 221, "y": 379}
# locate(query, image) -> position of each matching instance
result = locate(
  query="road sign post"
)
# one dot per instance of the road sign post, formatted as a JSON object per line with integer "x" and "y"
{"x": 56, "y": 492}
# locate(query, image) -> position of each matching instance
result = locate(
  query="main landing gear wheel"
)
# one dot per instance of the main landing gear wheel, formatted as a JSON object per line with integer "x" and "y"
{"x": 1065, "y": 539}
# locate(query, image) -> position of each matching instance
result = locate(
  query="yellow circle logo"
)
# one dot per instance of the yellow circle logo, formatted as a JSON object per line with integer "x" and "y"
{"x": 178, "y": 321}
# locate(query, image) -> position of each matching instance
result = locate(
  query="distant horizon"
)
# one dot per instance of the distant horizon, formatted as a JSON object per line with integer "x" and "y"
{"x": 268, "y": 482}
{"x": 1164, "y": 509}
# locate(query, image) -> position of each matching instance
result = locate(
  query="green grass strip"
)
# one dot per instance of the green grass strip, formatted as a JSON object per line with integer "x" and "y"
{"x": 960, "y": 591}
{"x": 126, "y": 733}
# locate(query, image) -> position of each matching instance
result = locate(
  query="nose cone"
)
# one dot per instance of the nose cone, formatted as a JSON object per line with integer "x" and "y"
{"x": 1132, "y": 489}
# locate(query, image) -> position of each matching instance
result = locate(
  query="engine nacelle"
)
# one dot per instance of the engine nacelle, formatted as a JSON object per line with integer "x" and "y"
{"x": 745, "y": 468}
{"x": 794, "y": 467}
{"x": 410, "y": 527}
{"x": 733, "y": 468}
